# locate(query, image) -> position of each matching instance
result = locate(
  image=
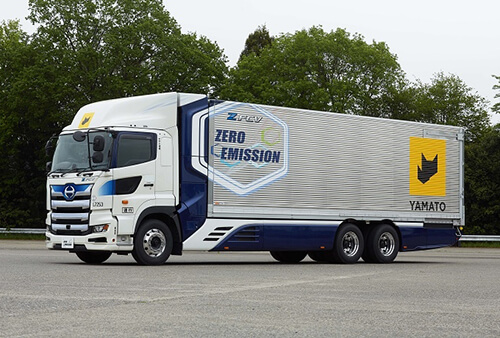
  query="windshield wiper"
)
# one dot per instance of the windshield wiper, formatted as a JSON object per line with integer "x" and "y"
{"x": 85, "y": 172}
{"x": 55, "y": 172}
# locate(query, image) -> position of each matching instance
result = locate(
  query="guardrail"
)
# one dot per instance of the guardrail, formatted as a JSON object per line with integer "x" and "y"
{"x": 27, "y": 231}
{"x": 464, "y": 238}
{"x": 479, "y": 238}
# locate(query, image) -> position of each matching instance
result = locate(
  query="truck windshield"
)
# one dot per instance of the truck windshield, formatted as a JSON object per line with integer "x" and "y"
{"x": 74, "y": 156}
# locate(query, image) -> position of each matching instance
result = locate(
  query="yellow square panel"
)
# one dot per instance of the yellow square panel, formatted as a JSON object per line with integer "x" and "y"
{"x": 85, "y": 122}
{"x": 427, "y": 167}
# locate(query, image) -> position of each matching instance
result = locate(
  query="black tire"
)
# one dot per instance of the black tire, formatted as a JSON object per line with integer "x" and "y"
{"x": 93, "y": 257}
{"x": 318, "y": 256}
{"x": 348, "y": 245}
{"x": 382, "y": 244}
{"x": 289, "y": 257}
{"x": 153, "y": 243}
{"x": 367, "y": 255}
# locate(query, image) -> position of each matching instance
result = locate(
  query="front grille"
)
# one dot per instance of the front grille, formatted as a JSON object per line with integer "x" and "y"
{"x": 69, "y": 232}
{"x": 70, "y": 210}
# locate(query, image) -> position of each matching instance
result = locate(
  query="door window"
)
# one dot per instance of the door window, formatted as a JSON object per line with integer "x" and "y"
{"x": 135, "y": 148}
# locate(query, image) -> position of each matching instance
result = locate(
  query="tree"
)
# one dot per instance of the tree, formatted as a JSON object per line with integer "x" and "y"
{"x": 84, "y": 51}
{"x": 448, "y": 100}
{"x": 482, "y": 183}
{"x": 116, "y": 48}
{"x": 257, "y": 41}
{"x": 313, "y": 69}
{"x": 21, "y": 110}
{"x": 496, "y": 106}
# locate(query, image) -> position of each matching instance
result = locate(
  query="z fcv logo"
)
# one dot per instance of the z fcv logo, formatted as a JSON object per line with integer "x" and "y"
{"x": 242, "y": 117}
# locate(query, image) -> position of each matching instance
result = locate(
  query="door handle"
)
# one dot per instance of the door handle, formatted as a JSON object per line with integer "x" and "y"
{"x": 148, "y": 184}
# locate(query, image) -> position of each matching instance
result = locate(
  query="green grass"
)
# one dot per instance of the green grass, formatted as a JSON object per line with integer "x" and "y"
{"x": 23, "y": 237}
{"x": 480, "y": 244}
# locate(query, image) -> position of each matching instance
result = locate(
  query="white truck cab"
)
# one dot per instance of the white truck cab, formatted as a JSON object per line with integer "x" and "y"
{"x": 108, "y": 170}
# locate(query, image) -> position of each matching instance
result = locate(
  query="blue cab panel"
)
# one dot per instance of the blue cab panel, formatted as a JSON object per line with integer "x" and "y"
{"x": 193, "y": 185}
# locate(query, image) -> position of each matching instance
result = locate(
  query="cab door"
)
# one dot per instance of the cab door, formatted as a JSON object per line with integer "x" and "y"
{"x": 134, "y": 177}
{"x": 167, "y": 173}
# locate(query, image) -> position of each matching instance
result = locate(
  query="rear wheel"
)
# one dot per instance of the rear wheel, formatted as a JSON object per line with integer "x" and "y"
{"x": 93, "y": 257}
{"x": 348, "y": 245}
{"x": 290, "y": 257}
{"x": 382, "y": 244}
{"x": 153, "y": 243}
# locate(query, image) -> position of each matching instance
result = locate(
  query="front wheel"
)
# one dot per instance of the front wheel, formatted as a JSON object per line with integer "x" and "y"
{"x": 93, "y": 257}
{"x": 153, "y": 243}
{"x": 382, "y": 245}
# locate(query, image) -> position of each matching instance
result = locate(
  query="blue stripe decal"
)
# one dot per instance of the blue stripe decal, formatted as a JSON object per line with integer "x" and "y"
{"x": 107, "y": 189}
{"x": 78, "y": 187}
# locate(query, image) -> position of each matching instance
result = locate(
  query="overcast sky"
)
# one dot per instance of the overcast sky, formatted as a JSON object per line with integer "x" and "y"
{"x": 428, "y": 36}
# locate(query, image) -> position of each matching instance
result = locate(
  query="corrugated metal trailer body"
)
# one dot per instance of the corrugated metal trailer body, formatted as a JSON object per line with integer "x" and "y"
{"x": 280, "y": 163}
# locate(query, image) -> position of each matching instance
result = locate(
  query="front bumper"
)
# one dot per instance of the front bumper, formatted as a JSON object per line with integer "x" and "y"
{"x": 100, "y": 241}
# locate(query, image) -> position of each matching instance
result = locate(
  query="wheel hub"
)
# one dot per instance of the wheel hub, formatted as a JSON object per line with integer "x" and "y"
{"x": 154, "y": 243}
{"x": 387, "y": 244}
{"x": 350, "y": 244}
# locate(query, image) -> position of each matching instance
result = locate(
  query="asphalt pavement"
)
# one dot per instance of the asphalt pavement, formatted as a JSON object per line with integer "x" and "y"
{"x": 437, "y": 293}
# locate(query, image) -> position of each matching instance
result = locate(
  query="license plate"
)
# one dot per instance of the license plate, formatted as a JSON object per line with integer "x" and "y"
{"x": 67, "y": 243}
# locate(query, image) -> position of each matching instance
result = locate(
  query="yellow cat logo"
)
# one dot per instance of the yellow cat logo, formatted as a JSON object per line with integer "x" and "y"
{"x": 85, "y": 122}
{"x": 427, "y": 166}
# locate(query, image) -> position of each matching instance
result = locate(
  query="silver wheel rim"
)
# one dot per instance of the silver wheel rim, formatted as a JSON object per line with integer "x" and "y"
{"x": 386, "y": 244}
{"x": 350, "y": 243}
{"x": 154, "y": 243}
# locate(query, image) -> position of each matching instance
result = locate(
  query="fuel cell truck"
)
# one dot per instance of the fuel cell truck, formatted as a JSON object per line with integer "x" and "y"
{"x": 160, "y": 174}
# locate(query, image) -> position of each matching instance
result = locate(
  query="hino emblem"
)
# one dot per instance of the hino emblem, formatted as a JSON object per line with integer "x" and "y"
{"x": 69, "y": 192}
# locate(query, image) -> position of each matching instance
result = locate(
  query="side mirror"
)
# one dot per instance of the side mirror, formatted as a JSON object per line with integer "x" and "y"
{"x": 97, "y": 157}
{"x": 49, "y": 146}
{"x": 98, "y": 144}
{"x": 79, "y": 136}
{"x": 48, "y": 166}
